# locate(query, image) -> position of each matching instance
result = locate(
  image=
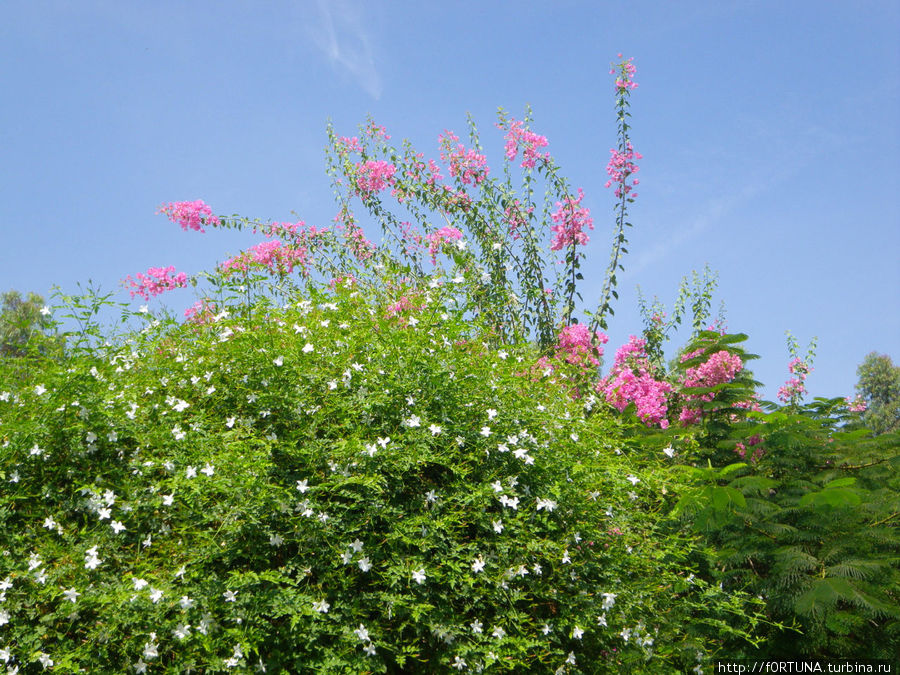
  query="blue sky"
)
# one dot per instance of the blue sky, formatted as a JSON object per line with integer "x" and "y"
{"x": 769, "y": 132}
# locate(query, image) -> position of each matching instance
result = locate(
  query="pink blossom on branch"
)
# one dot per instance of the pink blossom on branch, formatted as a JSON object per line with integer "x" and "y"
{"x": 157, "y": 280}
{"x": 272, "y": 256}
{"x": 436, "y": 239}
{"x": 190, "y": 215}
{"x": 571, "y": 218}
{"x": 620, "y": 169}
{"x": 631, "y": 380}
{"x": 518, "y": 135}
{"x": 374, "y": 176}
{"x": 469, "y": 166}
{"x": 626, "y": 71}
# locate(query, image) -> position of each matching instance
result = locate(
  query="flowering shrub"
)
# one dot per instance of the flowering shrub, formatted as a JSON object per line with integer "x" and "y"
{"x": 190, "y": 215}
{"x": 319, "y": 488}
{"x": 632, "y": 381}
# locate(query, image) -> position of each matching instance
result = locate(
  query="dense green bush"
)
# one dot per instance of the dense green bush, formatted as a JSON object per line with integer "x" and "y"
{"x": 329, "y": 488}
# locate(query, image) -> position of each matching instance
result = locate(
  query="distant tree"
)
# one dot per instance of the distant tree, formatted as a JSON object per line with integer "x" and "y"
{"x": 21, "y": 320}
{"x": 879, "y": 385}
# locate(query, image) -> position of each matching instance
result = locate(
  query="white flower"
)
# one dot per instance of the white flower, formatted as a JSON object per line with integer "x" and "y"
{"x": 155, "y": 595}
{"x": 104, "y": 513}
{"x": 181, "y": 406}
{"x": 571, "y": 658}
{"x": 634, "y": 479}
{"x": 498, "y": 526}
{"x": 478, "y": 565}
{"x": 498, "y": 632}
{"x": 138, "y": 583}
{"x": 365, "y": 564}
{"x": 419, "y": 576}
{"x": 92, "y": 562}
{"x": 117, "y": 526}
{"x": 346, "y": 557}
{"x": 230, "y": 422}
{"x": 413, "y": 421}
{"x": 546, "y": 629}
{"x": 45, "y": 310}
{"x": 275, "y": 540}
{"x": 71, "y": 595}
{"x": 459, "y": 663}
{"x": 577, "y": 632}
{"x": 430, "y": 497}
{"x": 181, "y": 632}
{"x": 511, "y": 502}
{"x": 491, "y": 413}
{"x": 168, "y": 500}
{"x": 369, "y": 649}
{"x": 601, "y": 620}
{"x": 302, "y": 485}
{"x": 40, "y": 389}
{"x": 279, "y": 361}
{"x": 209, "y": 469}
{"x": 356, "y": 545}
{"x": 321, "y": 606}
{"x": 546, "y": 504}
{"x": 230, "y": 596}
{"x": 362, "y": 633}
{"x": 669, "y": 452}
{"x": 609, "y": 599}
{"x": 4, "y": 617}
{"x": 186, "y": 602}
{"x": 45, "y": 660}
{"x": 434, "y": 429}
{"x": 476, "y": 626}
{"x": 307, "y": 348}
{"x": 178, "y": 433}
{"x": 485, "y": 431}
{"x": 566, "y": 559}
{"x": 151, "y": 648}
{"x": 191, "y": 472}
{"x": 139, "y": 665}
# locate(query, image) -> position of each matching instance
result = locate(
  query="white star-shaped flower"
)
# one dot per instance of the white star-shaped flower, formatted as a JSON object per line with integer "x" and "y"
{"x": 117, "y": 526}
{"x": 669, "y": 452}
{"x": 419, "y": 576}
{"x": 155, "y": 595}
{"x": 498, "y": 526}
{"x": 209, "y": 469}
{"x": 477, "y": 626}
{"x": 307, "y": 348}
{"x": 362, "y": 633}
{"x": 365, "y": 564}
{"x": 478, "y": 565}
{"x": 71, "y": 595}
{"x": 609, "y": 599}
{"x": 577, "y": 632}
{"x": 230, "y": 596}
{"x": 321, "y": 606}
{"x": 634, "y": 479}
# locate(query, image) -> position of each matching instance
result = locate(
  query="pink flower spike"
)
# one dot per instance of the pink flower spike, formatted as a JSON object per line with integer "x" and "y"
{"x": 157, "y": 280}
{"x": 190, "y": 215}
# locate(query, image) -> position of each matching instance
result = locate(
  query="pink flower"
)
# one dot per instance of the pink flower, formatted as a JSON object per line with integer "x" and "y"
{"x": 435, "y": 239}
{"x": 190, "y": 215}
{"x": 157, "y": 280}
{"x": 272, "y": 256}
{"x": 201, "y": 312}
{"x": 530, "y": 141}
{"x": 626, "y": 69}
{"x": 467, "y": 165}
{"x": 374, "y": 176}
{"x": 571, "y": 218}
{"x": 857, "y": 404}
{"x": 574, "y": 345}
{"x": 516, "y": 218}
{"x": 631, "y": 381}
{"x": 621, "y": 167}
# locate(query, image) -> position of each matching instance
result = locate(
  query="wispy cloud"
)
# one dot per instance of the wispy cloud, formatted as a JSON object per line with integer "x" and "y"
{"x": 343, "y": 39}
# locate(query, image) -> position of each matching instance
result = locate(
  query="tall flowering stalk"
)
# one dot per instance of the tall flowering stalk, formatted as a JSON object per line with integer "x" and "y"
{"x": 621, "y": 169}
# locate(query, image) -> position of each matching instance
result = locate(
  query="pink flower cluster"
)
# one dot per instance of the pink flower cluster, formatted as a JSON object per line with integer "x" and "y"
{"x": 271, "y": 255}
{"x": 857, "y": 404}
{"x": 190, "y": 215}
{"x": 530, "y": 142}
{"x": 794, "y": 389}
{"x": 468, "y": 165}
{"x": 435, "y": 239}
{"x": 631, "y": 381}
{"x": 571, "y": 218}
{"x": 741, "y": 449}
{"x": 201, "y": 312}
{"x": 576, "y": 346}
{"x": 374, "y": 176}
{"x": 721, "y": 367}
{"x": 626, "y": 69}
{"x": 620, "y": 169}
{"x": 157, "y": 280}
